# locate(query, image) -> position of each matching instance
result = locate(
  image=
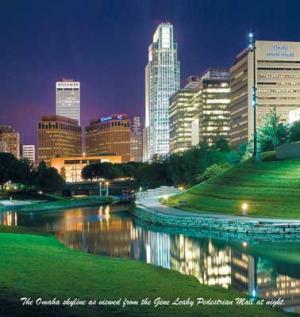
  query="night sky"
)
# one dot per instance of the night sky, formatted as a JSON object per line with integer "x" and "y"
{"x": 104, "y": 43}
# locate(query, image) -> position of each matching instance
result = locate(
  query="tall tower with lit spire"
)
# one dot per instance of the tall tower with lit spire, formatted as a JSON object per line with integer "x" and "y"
{"x": 162, "y": 80}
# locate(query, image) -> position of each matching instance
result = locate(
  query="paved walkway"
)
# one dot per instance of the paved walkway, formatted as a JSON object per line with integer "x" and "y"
{"x": 155, "y": 206}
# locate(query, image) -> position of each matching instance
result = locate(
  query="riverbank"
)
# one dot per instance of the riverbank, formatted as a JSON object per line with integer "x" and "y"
{"x": 268, "y": 188}
{"x": 39, "y": 266}
{"x": 150, "y": 209}
{"x": 64, "y": 203}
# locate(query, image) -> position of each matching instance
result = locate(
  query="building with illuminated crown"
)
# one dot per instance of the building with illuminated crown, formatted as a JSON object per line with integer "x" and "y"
{"x": 109, "y": 134}
{"x": 162, "y": 80}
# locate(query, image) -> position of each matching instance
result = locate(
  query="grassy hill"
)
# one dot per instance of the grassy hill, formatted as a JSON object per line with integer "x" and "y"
{"x": 271, "y": 188}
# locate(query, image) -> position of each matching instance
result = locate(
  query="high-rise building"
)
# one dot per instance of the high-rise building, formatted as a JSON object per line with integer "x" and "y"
{"x": 109, "y": 135}
{"x": 28, "y": 152}
{"x": 214, "y": 115}
{"x": 200, "y": 111}
{"x": 68, "y": 99}
{"x": 277, "y": 70}
{"x": 10, "y": 140}
{"x": 58, "y": 136}
{"x": 162, "y": 80}
{"x": 136, "y": 144}
{"x": 182, "y": 113}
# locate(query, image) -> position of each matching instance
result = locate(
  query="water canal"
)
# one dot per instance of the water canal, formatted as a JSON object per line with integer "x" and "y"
{"x": 263, "y": 269}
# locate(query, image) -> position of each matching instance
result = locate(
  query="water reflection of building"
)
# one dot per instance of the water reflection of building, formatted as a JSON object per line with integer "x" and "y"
{"x": 97, "y": 233}
{"x": 211, "y": 262}
{"x": 206, "y": 261}
{"x": 157, "y": 247}
{"x": 258, "y": 276}
{"x": 8, "y": 218}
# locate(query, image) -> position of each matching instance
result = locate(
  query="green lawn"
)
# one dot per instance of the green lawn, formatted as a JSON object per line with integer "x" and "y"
{"x": 39, "y": 266}
{"x": 270, "y": 188}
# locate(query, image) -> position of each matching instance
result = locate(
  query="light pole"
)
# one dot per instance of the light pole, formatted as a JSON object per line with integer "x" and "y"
{"x": 100, "y": 189}
{"x": 107, "y": 183}
{"x": 252, "y": 47}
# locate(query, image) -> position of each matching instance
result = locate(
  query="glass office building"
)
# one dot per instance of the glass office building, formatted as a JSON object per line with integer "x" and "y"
{"x": 162, "y": 80}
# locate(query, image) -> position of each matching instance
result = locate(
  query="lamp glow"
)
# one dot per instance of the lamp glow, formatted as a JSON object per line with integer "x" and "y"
{"x": 245, "y": 208}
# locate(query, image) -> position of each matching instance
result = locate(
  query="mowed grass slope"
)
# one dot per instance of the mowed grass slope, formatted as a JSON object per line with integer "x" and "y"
{"x": 39, "y": 266}
{"x": 270, "y": 188}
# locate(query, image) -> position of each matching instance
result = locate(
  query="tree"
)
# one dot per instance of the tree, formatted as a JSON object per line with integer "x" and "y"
{"x": 272, "y": 133}
{"x": 212, "y": 171}
{"x": 222, "y": 144}
{"x": 48, "y": 179}
{"x": 295, "y": 131}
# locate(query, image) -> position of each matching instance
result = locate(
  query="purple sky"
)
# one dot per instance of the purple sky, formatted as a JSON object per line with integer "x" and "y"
{"x": 103, "y": 44}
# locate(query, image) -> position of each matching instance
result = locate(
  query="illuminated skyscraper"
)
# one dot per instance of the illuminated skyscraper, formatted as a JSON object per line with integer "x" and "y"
{"x": 162, "y": 80}
{"x": 68, "y": 99}
{"x": 109, "y": 135}
{"x": 277, "y": 71}
{"x": 58, "y": 137}
{"x": 199, "y": 112}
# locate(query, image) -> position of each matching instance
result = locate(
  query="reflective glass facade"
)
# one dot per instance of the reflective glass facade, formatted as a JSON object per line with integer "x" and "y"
{"x": 162, "y": 80}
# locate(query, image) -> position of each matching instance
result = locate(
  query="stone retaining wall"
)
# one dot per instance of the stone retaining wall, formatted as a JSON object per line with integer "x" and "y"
{"x": 210, "y": 223}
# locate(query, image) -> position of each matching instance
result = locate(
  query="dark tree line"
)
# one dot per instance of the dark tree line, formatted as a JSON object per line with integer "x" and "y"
{"x": 178, "y": 169}
{"x": 22, "y": 171}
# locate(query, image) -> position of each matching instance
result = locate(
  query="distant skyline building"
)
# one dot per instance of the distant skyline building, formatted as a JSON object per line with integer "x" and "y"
{"x": 199, "y": 112}
{"x": 58, "y": 136}
{"x": 182, "y": 112}
{"x": 162, "y": 80}
{"x": 136, "y": 144}
{"x": 214, "y": 115}
{"x": 10, "y": 140}
{"x": 28, "y": 152}
{"x": 68, "y": 99}
{"x": 278, "y": 86}
{"x": 109, "y": 135}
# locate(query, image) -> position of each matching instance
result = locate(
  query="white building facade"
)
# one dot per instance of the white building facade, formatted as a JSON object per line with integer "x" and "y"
{"x": 28, "y": 152}
{"x": 68, "y": 99}
{"x": 277, "y": 70}
{"x": 162, "y": 80}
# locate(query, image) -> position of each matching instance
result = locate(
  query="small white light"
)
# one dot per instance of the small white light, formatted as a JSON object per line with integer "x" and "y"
{"x": 244, "y": 208}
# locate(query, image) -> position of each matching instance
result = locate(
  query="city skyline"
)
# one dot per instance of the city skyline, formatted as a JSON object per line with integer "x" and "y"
{"x": 111, "y": 75}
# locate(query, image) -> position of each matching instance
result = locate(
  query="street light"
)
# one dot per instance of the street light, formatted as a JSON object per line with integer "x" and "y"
{"x": 252, "y": 47}
{"x": 245, "y": 208}
{"x": 107, "y": 183}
